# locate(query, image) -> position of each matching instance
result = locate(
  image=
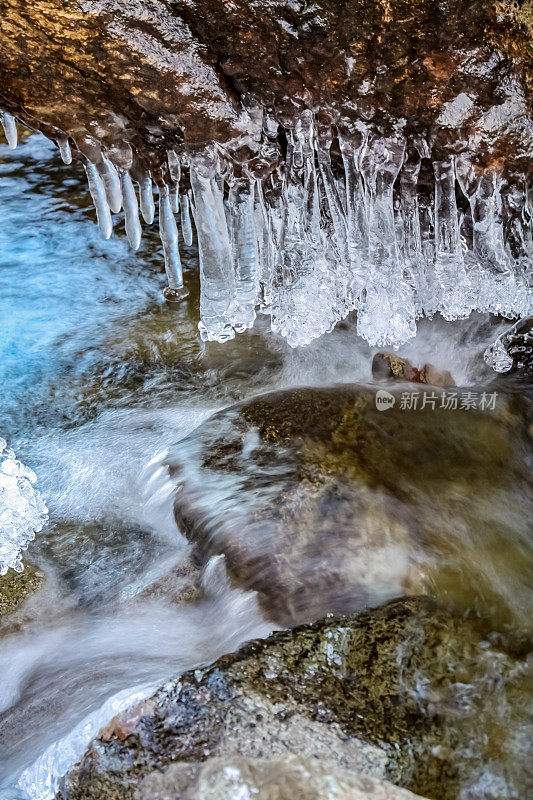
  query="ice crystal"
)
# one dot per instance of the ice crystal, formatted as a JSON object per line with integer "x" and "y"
{"x": 22, "y": 509}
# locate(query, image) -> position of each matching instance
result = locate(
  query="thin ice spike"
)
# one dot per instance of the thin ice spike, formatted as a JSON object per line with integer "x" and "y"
{"x": 10, "y": 128}
{"x": 169, "y": 238}
{"x": 96, "y": 188}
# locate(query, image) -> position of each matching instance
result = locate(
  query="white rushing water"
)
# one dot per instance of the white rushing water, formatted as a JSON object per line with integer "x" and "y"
{"x": 23, "y": 512}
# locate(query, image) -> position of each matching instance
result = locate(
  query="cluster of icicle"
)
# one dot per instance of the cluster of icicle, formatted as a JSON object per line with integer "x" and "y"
{"x": 23, "y": 512}
{"x": 310, "y": 242}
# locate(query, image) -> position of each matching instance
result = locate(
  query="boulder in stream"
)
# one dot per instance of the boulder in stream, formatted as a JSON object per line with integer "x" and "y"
{"x": 321, "y": 502}
{"x": 406, "y": 693}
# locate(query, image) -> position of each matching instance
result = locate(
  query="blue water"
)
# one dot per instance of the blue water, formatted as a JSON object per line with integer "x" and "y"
{"x": 62, "y": 287}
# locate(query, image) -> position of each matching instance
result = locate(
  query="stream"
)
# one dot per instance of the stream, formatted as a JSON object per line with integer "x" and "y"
{"x": 98, "y": 378}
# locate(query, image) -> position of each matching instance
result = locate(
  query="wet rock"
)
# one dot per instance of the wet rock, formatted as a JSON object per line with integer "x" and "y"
{"x": 146, "y": 78}
{"x": 180, "y": 585}
{"x": 436, "y": 377}
{"x": 389, "y": 366}
{"x": 513, "y": 350}
{"x": 221, "y": 778}
{"x": 406, "y": 692}
{"x": 321, "y": 502}
{"x": 15, "y": 587}
{"x": 124, "y": 724}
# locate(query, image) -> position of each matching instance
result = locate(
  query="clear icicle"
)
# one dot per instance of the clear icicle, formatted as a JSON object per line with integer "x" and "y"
{"x": 10, "y": 128}
{"x": 498, "y": 286}
{"x": 266, "y": 249}
{"x": 174, "y": 200}
{"x": 356, "y": 213}
{"x": 387, "y": 315}
{"x": 454, "y": 291}
{"x": 64, "y": 151}
{"x": 147, "y": 200}
{"x": 98, "y": 194}
{"x": 243, "y": 242}
{"x": 174, "y": 167}
{"x": 186, "y": 227}
{"x": 111, "y": 181}
{"x": 131, "y": 211}
{"x": 304, "y": 287}
{"x": 169, "y": 238}
{"x": 333, "y": 198}
{"x": 419, "y": 271}
{"x": 217, "y": 276}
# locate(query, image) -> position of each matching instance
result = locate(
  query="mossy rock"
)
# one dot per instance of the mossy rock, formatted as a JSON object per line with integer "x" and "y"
{"x": 15, "y": 587}
{"x": 322, "y": 503}
{"x": 407, "y": 692}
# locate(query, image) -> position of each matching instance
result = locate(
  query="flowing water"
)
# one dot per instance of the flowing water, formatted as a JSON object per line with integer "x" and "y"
{"x": 98, "y": 377}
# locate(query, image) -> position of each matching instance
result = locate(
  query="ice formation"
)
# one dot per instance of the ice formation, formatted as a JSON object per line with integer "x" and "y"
{"x": 23, "y": 512}
{"x": 317, "y": 220}
{"x": 513, "y": 349}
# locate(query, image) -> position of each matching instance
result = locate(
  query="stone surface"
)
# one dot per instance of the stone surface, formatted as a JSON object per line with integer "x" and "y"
{"x": 262, "y": 779}
{"x": 321, "y": 502}
{"x": 406, "y": 692}
{"x": 15, "y": 587}
{"x": 153, "y": 76}
{"x": 389, "y": 366}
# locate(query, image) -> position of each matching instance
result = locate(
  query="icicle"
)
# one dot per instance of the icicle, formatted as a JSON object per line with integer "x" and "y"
{"x": 217, "y": 276}
{"x": 484, "y": 198}
{"x": 186, "y": 228}
{"x": 304, "y": 287}
{"x": 111, "y": 180}
{"x": 131, "y": 211}
{"x": 356, "y": 214}
{"x": 387, "y": 316}
{"x": 332, "y": 196}
{"x": 174, "y": 167}
{"x": 169, "y": 239}
{"x": 10, "y": 128}
{"x": 499, "y": 288}
{"x": 97, "y": 190}
{"x": 454, "y": 291}
{"x": 419, "y": 271}
{"x": 267, "y": 249}
{"x": 243, "y": 242}
{"x": 64, "y": 151}
{"x": 174, "y": 200}
{"x": 147, "y": 200}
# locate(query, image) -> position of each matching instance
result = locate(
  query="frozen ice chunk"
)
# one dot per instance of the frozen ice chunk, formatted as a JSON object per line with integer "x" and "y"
{"x": 22, "y": 509}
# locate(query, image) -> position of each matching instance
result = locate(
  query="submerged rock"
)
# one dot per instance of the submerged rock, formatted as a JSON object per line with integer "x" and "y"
{"x": 406, "y": 692}
{"x": 320, "y": 501}
{"x": 15, "y": 587}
